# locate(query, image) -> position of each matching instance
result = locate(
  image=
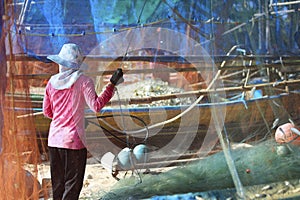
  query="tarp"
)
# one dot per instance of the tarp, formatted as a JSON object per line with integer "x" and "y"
{"x": 255, "y": 26}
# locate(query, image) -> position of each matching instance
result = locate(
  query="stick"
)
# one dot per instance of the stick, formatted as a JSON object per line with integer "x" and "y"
{"x": 30, "y": 115}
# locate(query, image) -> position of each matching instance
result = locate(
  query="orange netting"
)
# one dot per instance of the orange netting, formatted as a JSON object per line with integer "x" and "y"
{"x": 20, "y": 153}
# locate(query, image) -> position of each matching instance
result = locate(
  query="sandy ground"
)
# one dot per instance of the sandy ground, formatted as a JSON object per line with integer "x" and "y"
{"x": 97, "y": 180}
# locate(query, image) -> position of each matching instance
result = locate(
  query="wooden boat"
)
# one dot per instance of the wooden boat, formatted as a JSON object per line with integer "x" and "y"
{"x": 241, "y": 118}
{"x": 243, "y": 121}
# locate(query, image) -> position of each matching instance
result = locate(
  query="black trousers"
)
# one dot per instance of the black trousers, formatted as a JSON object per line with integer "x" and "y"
{"x": 67, "y": 168}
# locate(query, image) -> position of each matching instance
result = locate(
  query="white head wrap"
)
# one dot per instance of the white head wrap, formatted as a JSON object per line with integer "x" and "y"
{"x": 70, "y": 61}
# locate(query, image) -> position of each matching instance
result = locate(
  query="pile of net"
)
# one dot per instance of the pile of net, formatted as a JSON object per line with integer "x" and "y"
{"x": 152, "y": 88}
{"x": 281, "y": 162}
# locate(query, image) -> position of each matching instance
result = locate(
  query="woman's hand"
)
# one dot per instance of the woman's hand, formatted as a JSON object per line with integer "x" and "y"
{"x": 117, "y": 77}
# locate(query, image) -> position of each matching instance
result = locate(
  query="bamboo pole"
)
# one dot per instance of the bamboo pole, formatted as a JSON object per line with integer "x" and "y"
{"x": 231, "y": 74}
{"x": 284, "y": 3}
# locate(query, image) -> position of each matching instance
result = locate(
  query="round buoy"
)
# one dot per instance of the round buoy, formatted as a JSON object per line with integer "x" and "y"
{"x": 282, "y": 150}
{"x": 123, "y": 158}
{"x": 140, "y": 153}
{"x": 284, "y": 134}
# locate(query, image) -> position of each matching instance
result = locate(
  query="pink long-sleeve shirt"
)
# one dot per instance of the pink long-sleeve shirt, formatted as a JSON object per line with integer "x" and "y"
{"x": 66, "y": 109}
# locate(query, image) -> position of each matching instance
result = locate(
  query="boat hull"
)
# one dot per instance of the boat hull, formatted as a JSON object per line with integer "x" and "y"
{"x": 240, "y": 121}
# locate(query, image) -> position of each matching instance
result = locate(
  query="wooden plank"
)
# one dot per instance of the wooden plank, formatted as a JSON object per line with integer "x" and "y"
{"x": 163, "y": 58}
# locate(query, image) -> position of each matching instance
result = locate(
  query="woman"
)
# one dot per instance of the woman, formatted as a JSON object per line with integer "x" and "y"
{"x": 66, "y": 96}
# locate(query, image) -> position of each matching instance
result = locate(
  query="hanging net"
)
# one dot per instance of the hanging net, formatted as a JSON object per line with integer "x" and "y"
{"x": 210, "y": 95}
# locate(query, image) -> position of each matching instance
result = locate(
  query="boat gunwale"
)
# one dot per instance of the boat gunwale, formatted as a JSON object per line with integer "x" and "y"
{"x": 105, "y": 110}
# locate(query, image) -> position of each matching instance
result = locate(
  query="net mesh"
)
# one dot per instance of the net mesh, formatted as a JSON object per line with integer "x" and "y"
{"x": 212, "y": 174}
{"x": 201, "y": 77}
{"x": 19, "y": 150}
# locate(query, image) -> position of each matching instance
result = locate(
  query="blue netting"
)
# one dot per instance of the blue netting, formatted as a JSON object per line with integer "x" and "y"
{"x": 258, "y": 27}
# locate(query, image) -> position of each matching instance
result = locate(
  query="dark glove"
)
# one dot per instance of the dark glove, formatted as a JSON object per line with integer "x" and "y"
{"x": 117, "y": 77}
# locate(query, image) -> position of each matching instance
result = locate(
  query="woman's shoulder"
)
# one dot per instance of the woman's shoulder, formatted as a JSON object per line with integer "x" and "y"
{"x": 85, "y": 80}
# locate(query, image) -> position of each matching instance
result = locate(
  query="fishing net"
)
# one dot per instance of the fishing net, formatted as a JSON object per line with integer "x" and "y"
{"x": 19, "y": 149}
{"x": 201, "y": 77}
{"x": 212, "y": 174}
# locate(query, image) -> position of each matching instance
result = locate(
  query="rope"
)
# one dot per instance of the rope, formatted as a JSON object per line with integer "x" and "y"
{"x": 134, "y": 168}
